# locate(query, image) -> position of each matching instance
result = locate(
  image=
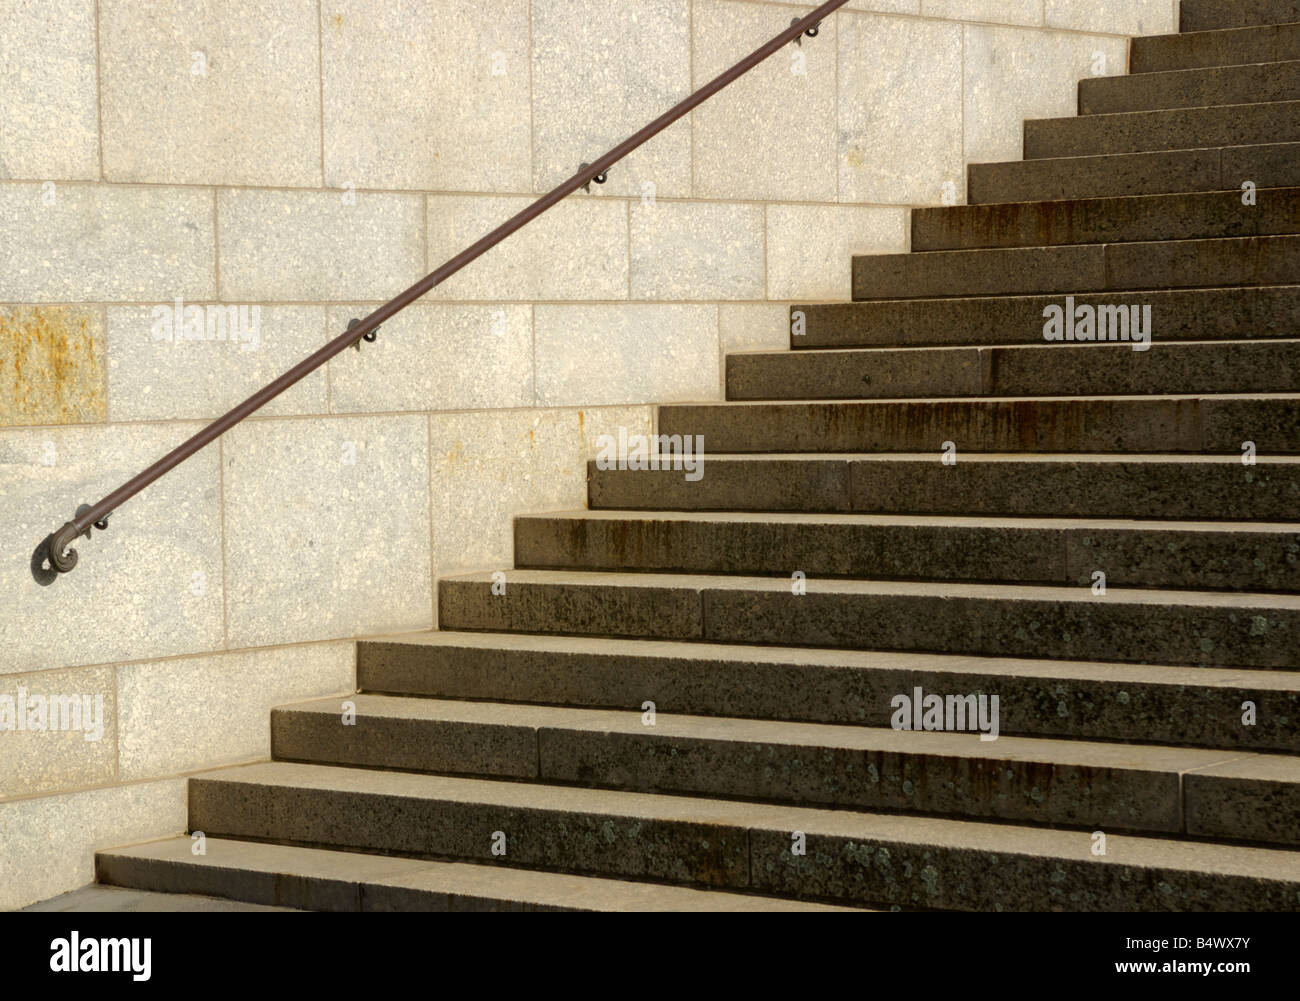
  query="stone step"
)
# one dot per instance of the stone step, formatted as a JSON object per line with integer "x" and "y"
{"x": 320, "y": 880}
{"x": 957, "y": 774}
{"x": 1194, "y": 88}
{"x": 848, "y": 856}
{"x": 1200, "y": 49}
{"x": 1194, "y": 706}
{"x": 1132, "y": 219}
{"x": 1243, "y": 313}
{"x": 1168, "y": 424}
{"x": 1122, "y": 486}
{"x": 1128, "y": 625}
{"x": 1207, "y": 15}
{"x": 1275, "y": 165}
{"x": 1029, "y": 370}
{"x": 1100, "y": 267}
{"x": 1223, "y": 556}
{"x": 1178, "y": 128}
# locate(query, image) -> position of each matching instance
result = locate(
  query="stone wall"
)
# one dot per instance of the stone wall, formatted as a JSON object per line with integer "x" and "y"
{"x": 307, "y": 159}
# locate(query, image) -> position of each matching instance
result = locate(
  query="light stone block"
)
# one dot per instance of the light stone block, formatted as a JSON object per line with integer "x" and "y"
{"x": 77, "y": 748}
{"x": 428, "y": 94}
{"x": 51, "y": 365}
{"x": 886, "y": 6}
{"x": 150, "y": 586}
{"x": 49, "y": 113}
{"x": 327, "y": 528}
{"x": 635, "y": 353}
{"x": 90, "y": 243}
{"x": 211, "y": 92}
{"x": 151, "y": 377}
{"x": 771, "y": 134}
{"x": 202, "y": 712}
{"x": 697, "y": 250}
{"x": 810, "y": 247}
{"x": 1027, "y": 12}
{"x": 900, "y": 110}
{"x": 590, "y": 92}
{"x": 1119, "y": 17}
{"x": 437, "y": 357}
{"x": 48, "y": 843}
{"x": 1015, "y": 73}
{"x": 577, "y": 250}
{"x": 493, "y": 465}
{"x": 754, "y": 326}
{"x": 330, "y": 246}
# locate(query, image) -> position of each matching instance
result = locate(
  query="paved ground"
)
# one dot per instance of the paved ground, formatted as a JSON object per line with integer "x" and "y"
{"x": 113, "y": 898}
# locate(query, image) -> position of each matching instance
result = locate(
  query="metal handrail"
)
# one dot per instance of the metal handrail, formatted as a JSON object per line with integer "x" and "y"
{"x": 55, "y": 546}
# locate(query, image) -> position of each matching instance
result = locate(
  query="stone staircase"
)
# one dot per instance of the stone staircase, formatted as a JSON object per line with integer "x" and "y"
{"x": 1123, "y": 777}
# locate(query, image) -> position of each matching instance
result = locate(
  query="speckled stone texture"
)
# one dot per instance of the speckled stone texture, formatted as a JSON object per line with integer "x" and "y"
{"x": 210, "y": 92}
{"x": 594, "y": 353}
{"x": 588, "y": 96}
{"x": 49, "y": 112}
{"x": 303, "y": 498}
{"x": 432, "y": 137}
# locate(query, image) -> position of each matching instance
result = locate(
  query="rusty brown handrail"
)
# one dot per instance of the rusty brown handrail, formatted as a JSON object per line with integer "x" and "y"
{"x": 55, "y": 546}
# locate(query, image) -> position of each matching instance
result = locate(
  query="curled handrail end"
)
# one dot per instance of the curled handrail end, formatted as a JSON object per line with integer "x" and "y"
{"x": 60, "y": 556}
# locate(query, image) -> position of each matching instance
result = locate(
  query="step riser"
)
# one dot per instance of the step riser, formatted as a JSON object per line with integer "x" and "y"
{"x": 836, "y": 866}
{"x": 1259, "y": 84}
{"x": 1200, "y": 314}
{"x": 1129, "y": 174}
{"x": 1217, "y": 808}
{"x": 1076, "y": 270}
{"x": 1224, "y": 560}
{"x": 1145, "y": 131}
{"x": 1100, "y": 628}
{"x": 1033, "y": 705}
{"x": 1118, "y": 220}
{"x": 1212, "y": 15}
{"x": 967, "y": 785}
{"x": 1234, "y": 47}
{"x": 1094, "y": 369}
{"x": 1055, "y": 426}
{"x": 992, "y": 880}
{"x": 1203, "y": 491}
{"x": 637, "y": 848}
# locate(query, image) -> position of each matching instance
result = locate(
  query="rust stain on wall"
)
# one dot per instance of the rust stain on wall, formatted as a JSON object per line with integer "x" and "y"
{"x": 51, "y": 365}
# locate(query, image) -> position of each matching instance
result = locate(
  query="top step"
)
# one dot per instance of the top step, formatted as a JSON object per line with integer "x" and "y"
{"x": 1203, "y": 49}
{"x": 1209, "y": 15}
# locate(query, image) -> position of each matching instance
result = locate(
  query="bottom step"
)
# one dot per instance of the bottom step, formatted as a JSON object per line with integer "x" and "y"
{"x": 840, "y": 856}
{"x": 318, "y": 880}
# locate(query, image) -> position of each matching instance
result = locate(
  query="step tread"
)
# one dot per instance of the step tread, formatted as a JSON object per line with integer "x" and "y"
{"x": 623, "y": 649}
{"x": 1028, "y": 522}
{"x": 982, "y": 400}
{"x": 875, "y": 351}
{"x": 1075, "y": 248}
{"x": 1213, "y": 47}
{"x": 1195, "y": 13}
{"x": 1189, "y": 72}
{"x": 818, "y": 736}
{"x": 1011, "y": 840}
{"x": 1169, "y": 217}
{"x": 1014, "y": 298}
{"x": 1167, "y": 129}
{"x": 896, "y": 588}
{"x": 474, "y": 883}
{"x": 1078, "y": 269}
{"x": 1070, "y": 458}
{"x": 1206, "y": 164}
